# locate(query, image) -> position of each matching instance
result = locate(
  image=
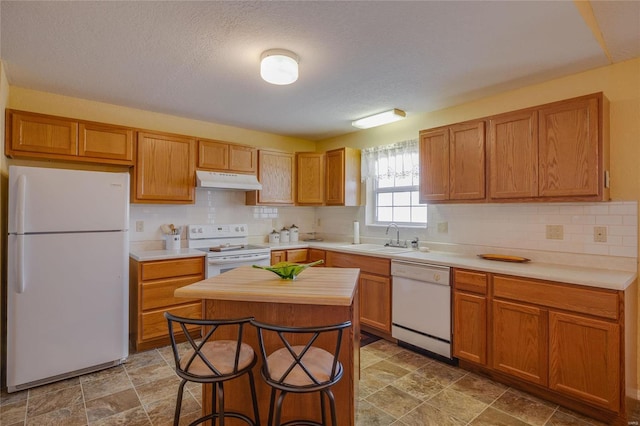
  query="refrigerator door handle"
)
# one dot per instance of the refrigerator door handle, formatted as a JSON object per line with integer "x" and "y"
{"x": 21, "y": 200}
{"x": 20, "y": 263}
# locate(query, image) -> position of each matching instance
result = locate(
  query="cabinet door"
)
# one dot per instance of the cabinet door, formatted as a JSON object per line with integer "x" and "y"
{"x": 106, "y": 142}
{"x": 310, "y": 178}
{"x": 335, "y": 177}
{"x": 278, "y": 256}
{"x": 569, "y": 149}
{"x": 164, "y": 170}
{"x": 243, "y": 159}
{"x": 375, "y": 301}
{"x": 466, "y": 161}
{"x": 470, "y": 327}
{"x": 513, "y": 158}
{"x": 35, "y": 133}
{"x": 213, "y": 155}
{"x": 275, "y": 173}
{"x": 434, "y": 165}
{"x": 520, "y": 341}
{"x": 316, "y": 254}
{"x": 297, "y": 255}
{"x": 584, "y": 358}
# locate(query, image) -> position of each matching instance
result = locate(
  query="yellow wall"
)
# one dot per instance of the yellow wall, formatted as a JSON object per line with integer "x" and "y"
{"x": 49, "y": 103}
{"x": 620, "y": 84}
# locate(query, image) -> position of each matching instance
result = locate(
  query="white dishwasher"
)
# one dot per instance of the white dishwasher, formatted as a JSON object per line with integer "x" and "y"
{"x": 421, "y": 314}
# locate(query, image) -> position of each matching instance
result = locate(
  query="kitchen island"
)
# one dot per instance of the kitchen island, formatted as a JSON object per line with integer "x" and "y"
{"x": 319, "y": 296}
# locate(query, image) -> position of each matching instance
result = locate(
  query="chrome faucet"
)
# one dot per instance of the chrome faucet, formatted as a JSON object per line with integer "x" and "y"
{"x": 390, "y": 243}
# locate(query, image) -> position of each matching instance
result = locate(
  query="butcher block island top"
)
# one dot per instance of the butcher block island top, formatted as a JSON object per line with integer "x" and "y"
{"x": 314, "y": 286}
{"x": 317, "y": 297}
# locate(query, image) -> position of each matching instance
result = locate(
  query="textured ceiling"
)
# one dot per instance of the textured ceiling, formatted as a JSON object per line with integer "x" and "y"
{"x": 201, "y": 59}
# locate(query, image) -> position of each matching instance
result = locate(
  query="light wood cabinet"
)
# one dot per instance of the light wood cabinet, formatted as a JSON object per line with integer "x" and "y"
{"x": 310, "y": 178}
{"x": 317, "y": 254}
{"x": 342, "y": 177}
{"x": 165, "y": 169}
{"x": 293, "y": 255}
{"x": 227, "y": 157}
{"x": 570, "y": 148}
{"x": 452, "y": 163}
{"x": 513, "y": 159}
{"x": 470, "y": 316}
{"x": 563, "y": 342}
{"x": 557, "y": 151}
{"x": 374, "y": 288}
{"x": 34, "y": 135}
{"x": 520, "y": 341}
{"x": 584, "y": 358}
{"x": 151, "y": 288}
{"x": 276, "y": 171}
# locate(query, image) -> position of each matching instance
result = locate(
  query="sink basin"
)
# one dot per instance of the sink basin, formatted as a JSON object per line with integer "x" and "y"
{"x": 377, "y": 248}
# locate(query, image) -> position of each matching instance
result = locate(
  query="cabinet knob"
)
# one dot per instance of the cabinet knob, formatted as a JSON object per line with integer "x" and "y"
{"x": 436, "y": 277}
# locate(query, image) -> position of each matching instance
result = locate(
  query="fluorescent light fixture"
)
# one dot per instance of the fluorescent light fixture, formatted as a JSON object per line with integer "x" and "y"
{"x": 379, "y": 119}
{"x": 279, "y": 66}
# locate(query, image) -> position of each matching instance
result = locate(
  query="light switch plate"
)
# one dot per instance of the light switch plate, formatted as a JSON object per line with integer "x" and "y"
{"x": 555, "y": 232}
{"x": 443, "y": 227}
{"x": 139, "y": 225}
{"x": 600, "y": 234}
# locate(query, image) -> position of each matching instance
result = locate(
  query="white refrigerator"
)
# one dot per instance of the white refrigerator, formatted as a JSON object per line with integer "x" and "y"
{"x": 67, "y": 295}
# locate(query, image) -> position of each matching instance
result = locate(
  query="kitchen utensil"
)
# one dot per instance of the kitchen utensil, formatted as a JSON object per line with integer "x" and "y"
{"x": 504, "y": 258}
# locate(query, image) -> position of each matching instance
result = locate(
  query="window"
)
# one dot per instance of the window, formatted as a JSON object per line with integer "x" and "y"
{"x": 393, "y": 176}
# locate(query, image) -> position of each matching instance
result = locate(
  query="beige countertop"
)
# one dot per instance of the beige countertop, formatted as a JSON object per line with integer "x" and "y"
{"x": 314, "y": 286}
{"x": 594, "y": 277}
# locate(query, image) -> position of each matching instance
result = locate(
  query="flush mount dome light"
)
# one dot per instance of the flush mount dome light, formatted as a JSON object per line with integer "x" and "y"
{"x": 379, "y": 119}
{"x": 279, "y": 66}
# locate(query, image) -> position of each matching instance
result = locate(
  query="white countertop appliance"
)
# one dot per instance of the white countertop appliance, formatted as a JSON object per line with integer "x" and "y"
{"x": 67, "y": 294}
{"x": 226, "y": 246}
{"x": 421, "y": 312}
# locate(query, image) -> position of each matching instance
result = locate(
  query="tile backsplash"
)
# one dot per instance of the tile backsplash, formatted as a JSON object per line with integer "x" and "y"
{"x": 509, "y": 226}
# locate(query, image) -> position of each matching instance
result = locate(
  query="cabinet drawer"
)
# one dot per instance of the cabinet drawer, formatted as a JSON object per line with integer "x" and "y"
{"x": 298, "y": 255}
{"x": 154, "y": 324}
{"x": 473, "y": 282}
{"x": 158, "y": 294}
{"x": 598, "y": 302}
{"x": 172, "y": 268}
{"x": 370, "y": 264}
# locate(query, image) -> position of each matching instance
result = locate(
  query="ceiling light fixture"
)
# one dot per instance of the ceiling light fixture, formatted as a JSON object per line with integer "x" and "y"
{"x": 279, "y": 66}
{"x": 379, "y": 119}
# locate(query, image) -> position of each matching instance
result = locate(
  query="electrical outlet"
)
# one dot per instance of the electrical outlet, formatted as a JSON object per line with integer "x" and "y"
{"x": 555, "y": 232}
{"x": 600, "y": 234}
{"x": 443, "y": 227}
{"x": 139, "y": 225}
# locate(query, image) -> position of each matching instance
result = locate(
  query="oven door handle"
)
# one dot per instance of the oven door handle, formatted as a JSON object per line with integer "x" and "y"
{"x": 238, "y": 260}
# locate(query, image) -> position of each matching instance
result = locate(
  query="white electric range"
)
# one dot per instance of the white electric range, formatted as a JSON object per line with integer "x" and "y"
{"x": 226, "y": 246}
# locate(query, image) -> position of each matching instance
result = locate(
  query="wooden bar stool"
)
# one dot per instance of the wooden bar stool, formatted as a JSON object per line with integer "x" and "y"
{"x": 215, "y": 362}
{"x": 300, "y": 368}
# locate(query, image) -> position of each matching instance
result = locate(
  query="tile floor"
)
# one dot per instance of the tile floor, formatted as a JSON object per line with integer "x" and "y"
{"x": 398, "y": 387}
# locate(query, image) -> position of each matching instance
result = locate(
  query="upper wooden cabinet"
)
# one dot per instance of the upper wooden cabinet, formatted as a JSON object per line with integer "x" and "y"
{"x": 276, "y": 174}
{"x": 227, "y": 157}
{"x": 452, "y": 163}
{"x": 43, "y": 136}
{"x": 165, "y": 169}
{"x": 557, "y": 151}
{"x": 310, "y": 178}
{"x": 342, "y": 177}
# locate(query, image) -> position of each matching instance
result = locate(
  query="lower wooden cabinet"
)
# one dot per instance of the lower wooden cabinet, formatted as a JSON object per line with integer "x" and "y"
{"x": 375, "y": 301}
{"x": 151, "y": 288}
{"x": 584, "y": 358}
{"x": 316, "y": 254}
{"x": 293, "y": 255}
{"x": 520, "y": 341}
{"x": 374, "y": 287}
{"x": 559, "y": 341}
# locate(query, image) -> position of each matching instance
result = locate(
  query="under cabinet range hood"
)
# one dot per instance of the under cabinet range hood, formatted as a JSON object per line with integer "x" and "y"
{"x": 220, "y": 180}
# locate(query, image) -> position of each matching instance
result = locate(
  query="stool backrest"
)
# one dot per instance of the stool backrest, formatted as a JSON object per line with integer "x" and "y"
{"x": 194, "y": 357}
{"x": 300, "y": 355}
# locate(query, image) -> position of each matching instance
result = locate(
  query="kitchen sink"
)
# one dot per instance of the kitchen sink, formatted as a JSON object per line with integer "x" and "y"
{"x": 377, "y": 248}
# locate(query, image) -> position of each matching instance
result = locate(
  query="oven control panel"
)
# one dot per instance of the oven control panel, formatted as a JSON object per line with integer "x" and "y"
{"x": 198, "y": 232}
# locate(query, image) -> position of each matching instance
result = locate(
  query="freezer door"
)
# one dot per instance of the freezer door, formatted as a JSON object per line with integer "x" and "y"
{"x": 71, "y": 311}
{"x": 58, "y": 200}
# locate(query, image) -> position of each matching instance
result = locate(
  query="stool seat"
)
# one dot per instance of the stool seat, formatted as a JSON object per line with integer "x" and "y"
{"x": 221, "y": 356}
{"x": 317, "y": 361}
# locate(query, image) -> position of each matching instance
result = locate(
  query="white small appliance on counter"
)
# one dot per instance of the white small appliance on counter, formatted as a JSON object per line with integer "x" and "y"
{"x": 226, "y": 246}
